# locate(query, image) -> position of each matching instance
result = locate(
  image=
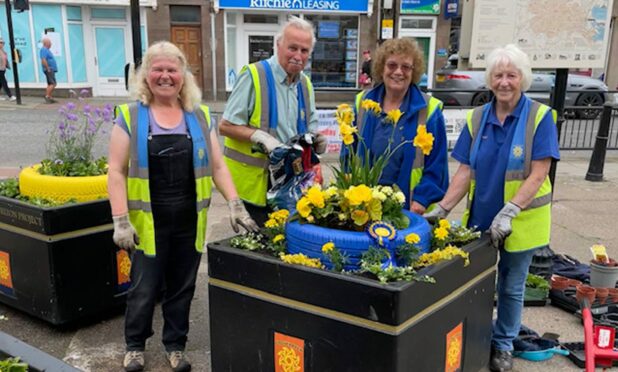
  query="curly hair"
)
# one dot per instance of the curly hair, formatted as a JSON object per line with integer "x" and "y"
{"x": 190, "y": 95}
{"x": 407, "y": 47}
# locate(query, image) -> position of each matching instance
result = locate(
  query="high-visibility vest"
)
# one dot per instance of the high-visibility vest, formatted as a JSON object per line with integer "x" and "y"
{"x": 431, "y": 105}
{"x": 249, "y": 169}
{"x": 138, "y": 189}
{"x": 531, "y": 228}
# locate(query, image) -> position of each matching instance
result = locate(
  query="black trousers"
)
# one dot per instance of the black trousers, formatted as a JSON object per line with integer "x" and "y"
{"x": 4, "y": 84}
{"x": 175, "y": 266}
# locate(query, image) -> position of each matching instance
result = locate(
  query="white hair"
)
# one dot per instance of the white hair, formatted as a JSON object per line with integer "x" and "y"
{"x": 300, "y": 24}
{"x": 510, "y": 55}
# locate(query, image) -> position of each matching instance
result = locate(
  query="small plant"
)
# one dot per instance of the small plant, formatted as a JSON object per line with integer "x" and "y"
{"x": 439, "y": 255}
{"x": 249, "y": 241}
{"x": 275, "y": 230}
{"x": 372, "y": 261}
{"x": 536, "y": 281}
{"x": 13, "y": 365}
{"x": 10, "y": 189}
{"x": 336, "y": 258}
{"x": 445, "y": 234}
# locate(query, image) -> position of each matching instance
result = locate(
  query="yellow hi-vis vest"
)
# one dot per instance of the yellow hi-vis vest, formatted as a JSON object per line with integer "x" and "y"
{"x": 432, "y": 104}
{"x": 531, "y": 228}
{"x": 138, "y": 185}
{"x": 249, "y": 169}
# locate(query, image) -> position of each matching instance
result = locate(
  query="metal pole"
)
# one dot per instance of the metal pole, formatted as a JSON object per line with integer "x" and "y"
{"x": 557, "y": 102}
{"x": 597, "y": 160}
{"x": 136, "y": 33}
{"x": 9, "y": 21}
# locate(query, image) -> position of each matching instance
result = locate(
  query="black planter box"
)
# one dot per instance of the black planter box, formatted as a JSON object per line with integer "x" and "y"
{"x": 36, "y": 359}
{"x": 265, "y": 313}
{"x": 62, "y": 262}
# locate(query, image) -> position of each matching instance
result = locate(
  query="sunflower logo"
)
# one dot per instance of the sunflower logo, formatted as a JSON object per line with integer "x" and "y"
{"x": 4, "y": 271}
{"x": 288, "y": 360}
{"x": 200, "y": 153}
{"x": 125, "y": 265}
{"x": 453, "y": 352}
{"x": 518, "y": 151}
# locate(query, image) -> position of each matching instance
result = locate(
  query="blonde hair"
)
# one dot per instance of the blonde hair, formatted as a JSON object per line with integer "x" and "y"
{"x": 406, "y": 47}
{"x": 190, "y": 95}
{"x": 510, "y": 55}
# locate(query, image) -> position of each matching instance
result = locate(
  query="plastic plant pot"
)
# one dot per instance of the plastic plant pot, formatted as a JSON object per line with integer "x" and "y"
{"x": 540, "y": 355}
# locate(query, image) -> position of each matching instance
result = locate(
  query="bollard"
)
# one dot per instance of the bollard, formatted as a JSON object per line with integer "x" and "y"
{"x": 597, "y": 160}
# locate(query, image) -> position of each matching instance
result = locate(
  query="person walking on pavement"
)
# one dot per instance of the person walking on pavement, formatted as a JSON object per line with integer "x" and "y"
{"x": 4, "y": 65}
{"x": 365, "y": 79}
{"x": 48, "y": 62}
{"x": 271, "y": 102}
{"x": 163, "y": 157}
{"x": 505, "y": 153}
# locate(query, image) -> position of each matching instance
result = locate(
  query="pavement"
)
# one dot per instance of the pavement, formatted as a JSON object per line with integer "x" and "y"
{"x": 584, "y": 213}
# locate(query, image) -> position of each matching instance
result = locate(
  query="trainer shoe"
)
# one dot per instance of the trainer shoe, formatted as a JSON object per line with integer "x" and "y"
{"x": 12, "y": 98}
{"x": 178, "y": 361}
{"x": 133, "y": 361}
{"x": 48, "y": 100}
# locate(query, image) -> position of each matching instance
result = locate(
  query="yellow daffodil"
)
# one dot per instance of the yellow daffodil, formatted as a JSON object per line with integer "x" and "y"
{"x": 440, "y": 233}
{"x": 358, "y": 194}
{"x": 327, "y": 247}
{"x": 445, "y": 224}
{"x": 412, "y": 238}
{"x": 278, "y": 238}
{"x": 348, "y": 139}
{"x": 371, "y": 106}
{"x": 344, "y": 114}
{"x": 360, "y": 217}
{"x": 393, "y": 116}
{"x": 423, "y": 139}
{"x": 314, "y": 194}
{"x": 303, "y": 206}
{"x": 346, "y": 129}
{"x": 344, "y": 107}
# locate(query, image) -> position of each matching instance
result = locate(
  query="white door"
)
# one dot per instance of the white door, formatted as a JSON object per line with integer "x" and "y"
{"x": 423, "y": 29}
{"x": 256, "y": 46}
{"x": 111, "y": 56}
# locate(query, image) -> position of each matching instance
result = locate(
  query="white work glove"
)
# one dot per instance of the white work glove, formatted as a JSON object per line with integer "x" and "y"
{"x": 265, "y": 140}
{"x": 240, "y": 216}
{"x": 319, "y": 143}
{"x": 501, "y": 225}
{"x": 436, "y": 214}
{"x": 125, "y": 235}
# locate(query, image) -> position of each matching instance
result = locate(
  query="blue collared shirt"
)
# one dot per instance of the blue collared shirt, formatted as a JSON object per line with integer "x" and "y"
{"x": 493, "y": 156}
{"x": 241, "y": 102}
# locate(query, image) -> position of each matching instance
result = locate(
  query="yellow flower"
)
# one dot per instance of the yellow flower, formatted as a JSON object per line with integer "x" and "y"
{"x": 375, "y": 209}
{"x": 301, "y": 259}
{"x": 278, "y": 238}
{"x": 360, "y": 217}
{"x": 423, "y": 139}
{"x": 342, "y": 217}
{"x": 314, "y": 194}
{"x": 344, "y": 107}
{"x": 310, "y": 219}
{"x": 344, "y": 114}
{"x": 387, "y": 190}
{"x": 348, "y": 139}
{"x": 445, "y": 224}
{"x": 358, "y": 194}
{"x": 440, "y": 233}
{"x": 346, "y": 129}
{"x": 400, "y": 197}
{"x": 303, "y": 206}
{"x": 376, "y": 194}
{"x": 327, "y": 247}
{"x": 330, "y": 192}
{"x": 447, "y": 253}
{"x": 393, "y": 116}
{"x": 271, "y": 223}
{"x": 412, "y": 238}
{"x": 371, "y": 106}
{"x": 280, "y": 215}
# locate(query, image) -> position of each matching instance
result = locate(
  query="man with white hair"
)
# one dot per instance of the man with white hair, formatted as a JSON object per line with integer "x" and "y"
{"x": 48, "y": 62}
{"x": 272, "y": 101}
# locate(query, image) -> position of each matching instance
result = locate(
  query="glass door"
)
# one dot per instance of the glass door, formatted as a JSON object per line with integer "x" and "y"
{"x": 110, "y": 60}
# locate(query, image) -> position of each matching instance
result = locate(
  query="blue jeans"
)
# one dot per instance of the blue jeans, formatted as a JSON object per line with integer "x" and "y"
{"x": 512, "y": 273}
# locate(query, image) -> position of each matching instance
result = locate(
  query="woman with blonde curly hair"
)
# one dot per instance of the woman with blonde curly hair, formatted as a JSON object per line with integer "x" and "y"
{"x": 163, "y": 157}
{"x": 422, "y": 175}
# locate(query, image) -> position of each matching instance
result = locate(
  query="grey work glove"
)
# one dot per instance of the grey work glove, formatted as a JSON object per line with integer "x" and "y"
{"x": 436, "y": 214}
{"x": 125, "y": 235}
{"x": 319, "y": 143}
{"x": 265, "y": 140}
{"x": 240, "y": 216}
{"x": 501, "y": 225}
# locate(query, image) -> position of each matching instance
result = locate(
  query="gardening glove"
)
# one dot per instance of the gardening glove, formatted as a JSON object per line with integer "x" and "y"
{"x": 240, "y": 216}
{"x": 436, "y": 214}
{"x": 501, "y": 225}
{"x": 267, "y": 142}
{"x": 125, "y": 235}
{"x": 319, "y": 143}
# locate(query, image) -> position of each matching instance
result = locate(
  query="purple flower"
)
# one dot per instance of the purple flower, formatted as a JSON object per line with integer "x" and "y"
{"x": 71, "y": 106}
{"x": 107, "y": 114}
{"x": 97, "y": 111}
{"x": 61, "y": 125}
{"x": 84, "y": 93}
{"x": 72, "y": 117}
{"x": 58, "y": 162}
{"x": 87, "y": 109}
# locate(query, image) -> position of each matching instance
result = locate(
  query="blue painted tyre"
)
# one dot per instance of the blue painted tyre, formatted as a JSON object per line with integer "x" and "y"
{"x": 308, "y": 239}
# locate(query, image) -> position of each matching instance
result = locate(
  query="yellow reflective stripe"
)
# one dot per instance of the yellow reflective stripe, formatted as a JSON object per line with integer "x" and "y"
{"x": 203, "y": 188}
{"x": 138, "y": 189}
{"x": 256, "y": 115}
{"x": 415, "y": 179}
{"x": 202, "y": 223}
{"x": 144, "y": 224}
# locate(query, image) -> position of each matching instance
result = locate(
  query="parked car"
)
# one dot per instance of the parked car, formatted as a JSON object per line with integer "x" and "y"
{"x": 463, "y": 84}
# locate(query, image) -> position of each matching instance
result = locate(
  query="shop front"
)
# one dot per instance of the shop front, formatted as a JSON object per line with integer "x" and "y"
{"x": 251, "y": 28}
{"x": 91, "y": 42}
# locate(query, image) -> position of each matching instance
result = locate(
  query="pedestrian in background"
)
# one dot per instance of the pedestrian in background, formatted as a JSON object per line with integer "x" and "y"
{"x": 4, "y": 65}
{"x": 163, "y": 157}
{"x": 292, "y": 112}
{"x": 365, "y": 81}
{"x": 50, "y": 67}
{"x": 505, "y": 153}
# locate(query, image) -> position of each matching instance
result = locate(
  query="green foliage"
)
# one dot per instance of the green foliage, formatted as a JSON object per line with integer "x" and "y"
{"x": 249, "y": 241}
{"x": 10, "y": 189}
{"x": 13, "y": 365}
{"x": 75, "y": 168}
{"x": 535, "y": 281}
{"x": 407, "y": 254}
{"x": 371, "y": 262}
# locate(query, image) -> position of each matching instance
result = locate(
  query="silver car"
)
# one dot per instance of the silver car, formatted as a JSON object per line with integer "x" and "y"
{"x": 464, "y": 84}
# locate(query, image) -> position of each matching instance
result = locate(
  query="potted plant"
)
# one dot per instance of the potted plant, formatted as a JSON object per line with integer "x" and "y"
{"x": 537, "y": 290}
{"x": 603, "y": 269}
{"x": 57, "y": 258}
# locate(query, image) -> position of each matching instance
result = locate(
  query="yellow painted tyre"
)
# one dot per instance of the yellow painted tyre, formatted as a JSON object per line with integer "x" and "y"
{"x": 61, "y": 189}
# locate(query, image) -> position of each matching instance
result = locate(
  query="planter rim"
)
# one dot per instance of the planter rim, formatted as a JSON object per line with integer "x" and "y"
{"x": 34, "y": 167}
{"x": 51, "y": 208}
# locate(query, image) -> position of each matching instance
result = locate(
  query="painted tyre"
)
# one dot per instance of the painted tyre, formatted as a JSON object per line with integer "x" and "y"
{"x": 308, "y": 239}
{"x": 61, "y": 189}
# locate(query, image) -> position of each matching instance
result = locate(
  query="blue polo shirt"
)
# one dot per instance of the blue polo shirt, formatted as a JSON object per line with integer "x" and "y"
{"x": 493, "y": 156}
{"x": 49, "y": 56}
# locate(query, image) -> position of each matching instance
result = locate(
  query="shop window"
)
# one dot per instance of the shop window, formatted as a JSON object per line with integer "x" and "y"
{"x": 108, "y": 13}
{"x": 230, "y": 48}
{"x": 185, "y": 14}
{"x": 74, "y": 13}
{"x": 261, "y": 18}
{"x": 334, "y": 62}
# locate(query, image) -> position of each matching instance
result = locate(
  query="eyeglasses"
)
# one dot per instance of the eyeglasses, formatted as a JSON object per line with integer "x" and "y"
{"x": 393, "y": 66}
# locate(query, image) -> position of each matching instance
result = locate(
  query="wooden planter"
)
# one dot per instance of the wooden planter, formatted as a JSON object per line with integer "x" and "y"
{"x": 266, "y": 315}
{"x": 60, "y": 264}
